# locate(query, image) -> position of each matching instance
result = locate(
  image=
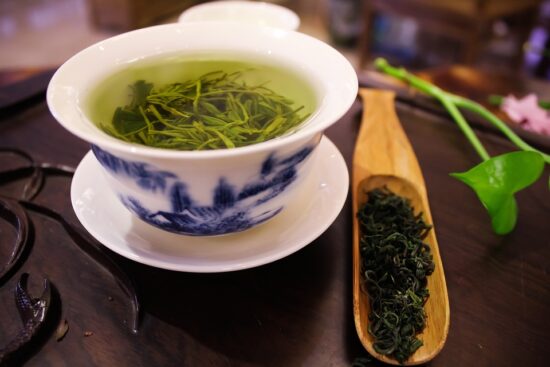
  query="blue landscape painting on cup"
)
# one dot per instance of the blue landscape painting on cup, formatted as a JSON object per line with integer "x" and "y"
{"x": 231, "y": 209}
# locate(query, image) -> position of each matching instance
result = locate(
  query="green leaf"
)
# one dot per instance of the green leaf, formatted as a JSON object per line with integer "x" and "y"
{"x": 496, "y": 180}
{"x": 128, "y": 122}
{"x": 141, "y": 90}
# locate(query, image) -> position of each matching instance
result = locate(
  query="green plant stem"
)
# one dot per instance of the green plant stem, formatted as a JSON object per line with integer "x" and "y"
{"x": 465, "y": 127}
{"x": 439, "y": 94}
{"x": 498, "y": 123}
{"x": 451, "y": 102}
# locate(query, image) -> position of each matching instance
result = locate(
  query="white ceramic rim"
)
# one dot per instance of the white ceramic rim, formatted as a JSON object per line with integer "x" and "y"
{"x": 199, "y": 13}
{"x": 333, "y": 70}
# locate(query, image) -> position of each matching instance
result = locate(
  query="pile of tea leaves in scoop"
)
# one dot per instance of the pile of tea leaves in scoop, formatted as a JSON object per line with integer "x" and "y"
{"x": 216, "y": 110}
{"x": 395, "y": 263}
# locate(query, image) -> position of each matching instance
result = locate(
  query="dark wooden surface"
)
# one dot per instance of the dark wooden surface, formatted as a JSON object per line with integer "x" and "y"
{"x": 298, "y": 310}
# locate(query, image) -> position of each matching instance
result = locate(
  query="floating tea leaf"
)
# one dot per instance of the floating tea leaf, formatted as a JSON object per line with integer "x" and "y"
{"x": 185, "y": 104}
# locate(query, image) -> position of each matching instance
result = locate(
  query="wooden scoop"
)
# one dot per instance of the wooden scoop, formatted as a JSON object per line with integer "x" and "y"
{"x": 384, "y": 157}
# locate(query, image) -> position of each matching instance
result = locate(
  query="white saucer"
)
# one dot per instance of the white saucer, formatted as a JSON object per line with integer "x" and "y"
{"x": 101, "y": 213}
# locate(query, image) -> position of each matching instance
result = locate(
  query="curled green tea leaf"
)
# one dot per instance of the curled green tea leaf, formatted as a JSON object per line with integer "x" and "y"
{"x": 495, "y": 181}
{"x": 396, "y": 263}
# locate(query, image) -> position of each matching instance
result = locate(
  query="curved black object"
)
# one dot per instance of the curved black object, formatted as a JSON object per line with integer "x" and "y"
{"x": 98, "y": 253}
{"x": 14, "y": 214}
{"x": 32, "y": 311}
{"x": 13, "y": 211}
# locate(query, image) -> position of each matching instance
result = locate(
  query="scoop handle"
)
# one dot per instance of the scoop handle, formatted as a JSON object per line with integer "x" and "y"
{"x": 382, "y": 148}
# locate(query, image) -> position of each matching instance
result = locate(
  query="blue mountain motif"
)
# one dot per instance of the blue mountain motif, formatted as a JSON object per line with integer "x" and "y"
{"x": 143, "y": 174}
{"x": 179, "y": 199}
{"x": 231, "y": 208}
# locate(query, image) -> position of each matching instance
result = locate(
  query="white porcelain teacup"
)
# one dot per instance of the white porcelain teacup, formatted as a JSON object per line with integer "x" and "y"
{"x": 238, "y": 11}
{"x": 205, "y": 192}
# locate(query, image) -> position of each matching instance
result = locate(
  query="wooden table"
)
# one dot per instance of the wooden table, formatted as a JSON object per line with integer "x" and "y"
{"x": 296, "y": 311}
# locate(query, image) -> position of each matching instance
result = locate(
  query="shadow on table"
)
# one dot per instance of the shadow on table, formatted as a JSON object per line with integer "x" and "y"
{"x": 271, "y": 315}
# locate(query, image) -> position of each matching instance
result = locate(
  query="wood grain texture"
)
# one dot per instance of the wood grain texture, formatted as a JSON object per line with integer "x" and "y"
{"x": 384, "y": 157}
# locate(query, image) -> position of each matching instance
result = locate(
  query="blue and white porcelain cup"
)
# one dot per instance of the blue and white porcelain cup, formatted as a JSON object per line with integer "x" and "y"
{"x": 206, "y": 192}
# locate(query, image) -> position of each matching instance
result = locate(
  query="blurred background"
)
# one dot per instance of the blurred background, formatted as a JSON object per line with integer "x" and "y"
{"x": 504, "y": 37}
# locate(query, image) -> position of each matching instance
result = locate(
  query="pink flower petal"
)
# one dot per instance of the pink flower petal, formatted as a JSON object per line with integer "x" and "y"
{"x": 527, "y": 113}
